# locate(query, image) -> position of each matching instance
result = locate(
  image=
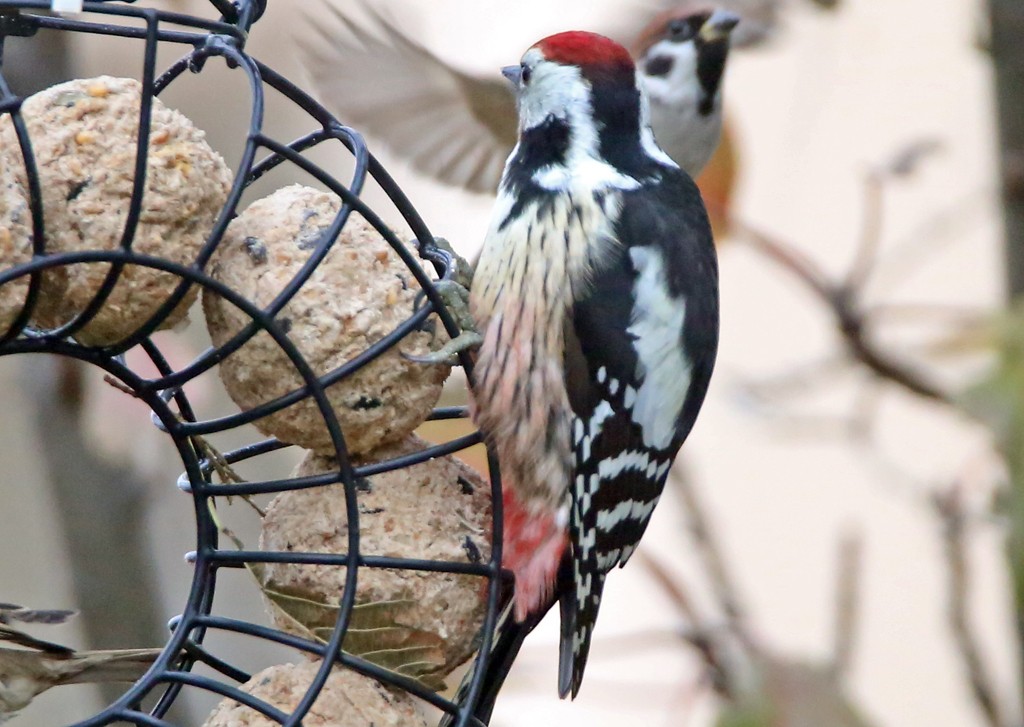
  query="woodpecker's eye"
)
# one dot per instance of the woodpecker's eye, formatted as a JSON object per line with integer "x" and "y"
{"x": 659, "y": 66}
{"x": 527, "y": 73}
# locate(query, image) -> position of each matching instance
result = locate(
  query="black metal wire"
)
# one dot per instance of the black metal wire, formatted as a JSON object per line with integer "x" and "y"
{"x": 224, "y": 38}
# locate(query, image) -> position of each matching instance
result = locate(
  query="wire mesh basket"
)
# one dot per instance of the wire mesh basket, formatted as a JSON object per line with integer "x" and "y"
{"x": 148, "y": 700}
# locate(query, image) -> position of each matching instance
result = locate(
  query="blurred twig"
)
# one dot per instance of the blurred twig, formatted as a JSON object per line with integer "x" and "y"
{"x": 871, "y": 232}
{"x": 722, "y": 585}
{"x": 949, "y": 507}
{"x": 700, "y": 635}
{"x": 847, "y": 612}
{"x": 768, "y": 689}
{"x": 716, "y": 645}
{"x": 204, "y": 449}
{"x": 851, "y": 321}
{"x": 845, "y": 297}
{"x": 671, "y": 585}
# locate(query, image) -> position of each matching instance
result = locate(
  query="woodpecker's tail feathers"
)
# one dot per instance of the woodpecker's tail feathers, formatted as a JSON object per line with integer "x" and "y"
{"x": 579, "y": 614}
{"x": 509, "y": 635}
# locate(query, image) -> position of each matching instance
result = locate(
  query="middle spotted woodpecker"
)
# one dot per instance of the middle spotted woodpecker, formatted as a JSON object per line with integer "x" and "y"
{"x": 596, "y": 295}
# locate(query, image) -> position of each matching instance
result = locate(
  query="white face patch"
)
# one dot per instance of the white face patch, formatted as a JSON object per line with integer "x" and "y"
{"x": 553, "y": 89}
{"x": 561, "y": 91}
{"x": 657, "y": 324}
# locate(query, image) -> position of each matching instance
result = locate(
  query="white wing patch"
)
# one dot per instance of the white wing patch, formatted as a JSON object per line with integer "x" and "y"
{"x": 657, "y": 324}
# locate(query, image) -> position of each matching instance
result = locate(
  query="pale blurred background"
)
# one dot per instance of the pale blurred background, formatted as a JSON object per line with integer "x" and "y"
{"x": 787, "y": 465}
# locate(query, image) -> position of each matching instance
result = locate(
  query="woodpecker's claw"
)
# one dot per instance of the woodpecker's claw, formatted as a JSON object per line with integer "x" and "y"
{"x": 448, "y": 352}
{"x": 456, "y": 299}
{"x": 462, "y": 270}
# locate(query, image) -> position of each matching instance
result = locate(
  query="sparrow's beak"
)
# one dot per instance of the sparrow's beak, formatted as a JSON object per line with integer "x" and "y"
{"x": 718, "y": 26}
{"x": 514, "y": 74}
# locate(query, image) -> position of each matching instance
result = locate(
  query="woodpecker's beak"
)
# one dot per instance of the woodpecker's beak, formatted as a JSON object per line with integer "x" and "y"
{"x": 514, "y": 74}
{"x": 718, "y": 26}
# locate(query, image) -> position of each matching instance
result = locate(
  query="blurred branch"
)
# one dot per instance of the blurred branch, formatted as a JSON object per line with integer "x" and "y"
{"x": 724, "y": 650}
{"x": 901, "y": 164}
{"x": 845, "y": 298}
{"x": 845, "y": 304}
{"x": 870, "y": 235}
{"x": 950, "y": 509}
{"x": 700, "y": 635}
{"x": 714, "y": 563}
{"x": 942, "y": 228}
{"x": 847, "y": 593}
{"x": 671, "y": 585}
{"x": 761, "y": 688}
{"x": 959, "y": 315}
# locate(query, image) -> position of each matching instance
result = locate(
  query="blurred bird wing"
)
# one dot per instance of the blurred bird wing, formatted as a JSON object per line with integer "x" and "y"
{"x": 12, "y": 612}
{"x": 453, "y": 126}
{"x": 20, "y": 638}
{"x": 26, "y": 674}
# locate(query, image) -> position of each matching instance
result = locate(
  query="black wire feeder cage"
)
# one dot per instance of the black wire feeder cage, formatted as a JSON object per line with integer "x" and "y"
{"x": 149, "y": 699}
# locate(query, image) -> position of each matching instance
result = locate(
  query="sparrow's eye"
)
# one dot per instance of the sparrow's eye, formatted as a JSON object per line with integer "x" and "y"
{"x": 659, "y": 66}
{"x": 680, "y": 29}
{"x": 527, "y": 73}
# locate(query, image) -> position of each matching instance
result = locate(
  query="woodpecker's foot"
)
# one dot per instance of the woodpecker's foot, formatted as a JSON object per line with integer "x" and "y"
{"x": 462, "y": 270}
{"x": 448, "y": 353}
{"x": 456, "y": 299}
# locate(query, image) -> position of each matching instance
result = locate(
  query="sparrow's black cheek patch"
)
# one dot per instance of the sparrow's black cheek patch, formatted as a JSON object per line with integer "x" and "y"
{"x": 659, "y": 66}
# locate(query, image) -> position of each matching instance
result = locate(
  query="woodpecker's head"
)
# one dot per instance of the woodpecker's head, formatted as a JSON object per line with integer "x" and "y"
{"x": 579, "y": 100}
{"x": 683, "y": 58}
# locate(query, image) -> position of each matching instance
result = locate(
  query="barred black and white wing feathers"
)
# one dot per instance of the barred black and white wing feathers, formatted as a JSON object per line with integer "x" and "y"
{"x": 639, "y": 354}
